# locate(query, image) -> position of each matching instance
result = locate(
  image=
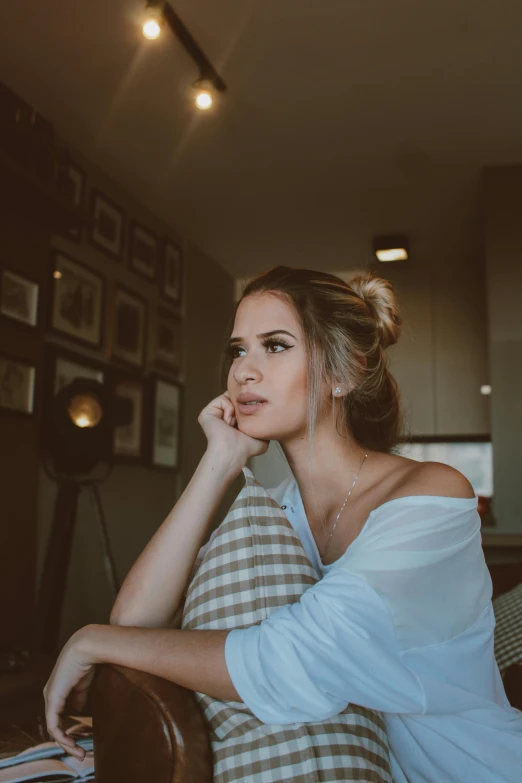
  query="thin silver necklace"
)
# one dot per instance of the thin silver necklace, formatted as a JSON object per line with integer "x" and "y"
{"x": 339, "y": 514}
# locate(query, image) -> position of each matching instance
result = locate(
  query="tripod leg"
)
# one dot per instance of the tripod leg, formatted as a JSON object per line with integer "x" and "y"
{"x": 108, "y": 558}
{"x": 54, "y": 577}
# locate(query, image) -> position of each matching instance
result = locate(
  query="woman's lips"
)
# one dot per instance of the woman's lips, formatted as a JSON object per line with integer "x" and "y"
{"x": 250, "y": 409}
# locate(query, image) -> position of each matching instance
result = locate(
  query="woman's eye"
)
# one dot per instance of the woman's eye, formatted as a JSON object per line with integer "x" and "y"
{"x": 271, "y": 343}
{"x": 268, "y": 344}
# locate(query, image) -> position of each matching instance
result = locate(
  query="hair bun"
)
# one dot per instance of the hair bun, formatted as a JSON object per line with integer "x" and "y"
{"x": 378, "y": 294}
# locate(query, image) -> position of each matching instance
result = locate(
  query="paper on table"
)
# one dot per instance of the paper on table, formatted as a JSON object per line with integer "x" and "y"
{"x": 45, "y": 750}
{"x": 69, "y": 768}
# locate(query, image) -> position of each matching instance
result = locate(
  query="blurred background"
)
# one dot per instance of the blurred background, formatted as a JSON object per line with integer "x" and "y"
{"x": 131, "y": 219}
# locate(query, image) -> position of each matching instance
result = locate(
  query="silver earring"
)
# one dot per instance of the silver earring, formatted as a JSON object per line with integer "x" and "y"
{"x": 337, "y": 389}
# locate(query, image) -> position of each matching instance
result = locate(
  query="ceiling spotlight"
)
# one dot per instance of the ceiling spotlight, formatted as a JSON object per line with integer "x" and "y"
{"x": 204, "y": 94}
{"x": 153, "y": 20}
{"x": 151, "y": 29}
{"x": 159, "y": 12}
{"x": 391, "y": 248}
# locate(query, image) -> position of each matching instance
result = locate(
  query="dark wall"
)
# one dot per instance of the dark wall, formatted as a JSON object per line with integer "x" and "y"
{"x": 135, "y": 497}
{"x": 24, "y": 245}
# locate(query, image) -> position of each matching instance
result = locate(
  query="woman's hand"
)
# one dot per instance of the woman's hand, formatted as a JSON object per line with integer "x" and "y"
{"x": 218, "y": 422}
{"x": 71, "y": 676}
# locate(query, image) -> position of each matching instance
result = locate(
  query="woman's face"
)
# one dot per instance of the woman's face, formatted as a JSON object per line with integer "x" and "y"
{"x": 272, "y": 366}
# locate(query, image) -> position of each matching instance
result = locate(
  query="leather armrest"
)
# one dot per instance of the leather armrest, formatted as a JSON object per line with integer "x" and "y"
{"x": 147, "y": 728}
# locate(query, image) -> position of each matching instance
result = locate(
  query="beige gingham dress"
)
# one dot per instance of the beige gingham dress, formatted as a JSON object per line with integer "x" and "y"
{"x": 256, "y": 564}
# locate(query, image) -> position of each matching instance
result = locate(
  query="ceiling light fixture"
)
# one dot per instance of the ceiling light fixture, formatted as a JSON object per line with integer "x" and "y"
{"x": 391, "y": 248}
{"x": 209, "y": 81}
{"x": 151, "y": 28}
{"x": 204, "y": 98}
{"x": 153, "y": 22}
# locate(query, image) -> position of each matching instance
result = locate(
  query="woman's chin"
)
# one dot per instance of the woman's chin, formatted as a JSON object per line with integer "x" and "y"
{"x": 254, "y": 429}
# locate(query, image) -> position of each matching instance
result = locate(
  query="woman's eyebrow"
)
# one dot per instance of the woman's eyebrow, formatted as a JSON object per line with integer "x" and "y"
{"x": 263, "y": 334}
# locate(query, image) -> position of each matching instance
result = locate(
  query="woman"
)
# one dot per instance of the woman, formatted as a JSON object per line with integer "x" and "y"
{"x": 401, "y": 621}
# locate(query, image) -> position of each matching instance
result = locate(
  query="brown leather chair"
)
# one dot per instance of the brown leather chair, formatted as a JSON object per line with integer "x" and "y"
{"x": 146, "y": 728}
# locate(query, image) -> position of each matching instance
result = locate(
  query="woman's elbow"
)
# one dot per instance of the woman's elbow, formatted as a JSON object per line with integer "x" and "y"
{"x": 118, "y": 618}
{"x": 146, "y": 621}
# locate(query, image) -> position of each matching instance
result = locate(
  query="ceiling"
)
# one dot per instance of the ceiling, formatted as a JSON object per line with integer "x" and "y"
{"x": 342, "y": 118}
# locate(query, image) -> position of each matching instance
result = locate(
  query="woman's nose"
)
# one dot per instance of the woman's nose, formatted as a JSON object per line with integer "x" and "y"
{"x": 247, "y": 369}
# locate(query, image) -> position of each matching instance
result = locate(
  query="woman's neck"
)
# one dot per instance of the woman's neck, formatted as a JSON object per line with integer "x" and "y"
{"x": 325, "y": 483}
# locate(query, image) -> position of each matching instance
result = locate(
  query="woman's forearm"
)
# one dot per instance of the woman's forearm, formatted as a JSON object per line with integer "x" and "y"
{"x": 153, "y": 588}
{"x": 193, "y": 659}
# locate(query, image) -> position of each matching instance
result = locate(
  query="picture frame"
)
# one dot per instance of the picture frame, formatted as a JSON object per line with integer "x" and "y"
{"x": 172, "y": 272}
{"x": 17, "y": 385}
{"x": 128, "y": 439}
{"x": 107, "y": 229}
{"x": 19, "y": 298}
{"x": 63, "y": 367}
{"x": 143, "y": 251}
{"x": 78, "y": 300}
{"x": 166, "y": 416}
{"x": 128, "y": 326}
{"x": 168, "y": 344}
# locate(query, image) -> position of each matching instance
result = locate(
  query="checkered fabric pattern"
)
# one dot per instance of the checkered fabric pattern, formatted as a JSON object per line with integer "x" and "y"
{"x": 508, "y": 629}
{"x": 256, "y": 564}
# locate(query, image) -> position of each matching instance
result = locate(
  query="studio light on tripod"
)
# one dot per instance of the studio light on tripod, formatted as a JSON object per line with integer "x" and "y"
{"x": 85, "y": 410}
{"x": 81, "y": 423}
{"x": 78, "y": 434}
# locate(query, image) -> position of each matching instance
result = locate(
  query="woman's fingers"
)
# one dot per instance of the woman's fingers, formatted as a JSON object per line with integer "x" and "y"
{"x": 68, "y": 745}
{"x": 229, "y": 412}
{"x": 63, "y": 739}
{"x": 53, "y": 712}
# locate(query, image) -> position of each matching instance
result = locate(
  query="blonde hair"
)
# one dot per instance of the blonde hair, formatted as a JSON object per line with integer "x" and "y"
{"x": 347, "y": 328}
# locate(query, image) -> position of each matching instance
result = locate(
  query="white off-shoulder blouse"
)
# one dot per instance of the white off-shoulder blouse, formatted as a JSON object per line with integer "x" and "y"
{"x": 403, "y": 623}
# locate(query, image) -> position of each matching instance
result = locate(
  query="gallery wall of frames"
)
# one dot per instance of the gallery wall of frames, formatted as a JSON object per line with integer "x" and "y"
{"x": 99, "y": 325}
{"x": 91, "y": 285}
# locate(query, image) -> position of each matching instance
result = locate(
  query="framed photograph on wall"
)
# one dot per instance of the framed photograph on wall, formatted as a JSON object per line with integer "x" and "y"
{"x": 108, "y": 228}
{"x": 143, "y": 251}
{"x": 66, "y": 367}
{"x": 129, "y": 326}
{"x": 172, "y": 272}
{"x": 168, "y": 341}
{"x": 128, "y": 439}
{"x": 78, "y": 300}
{"x": 166, "y": 418}
{"x": 19, "y": 298}
{"x": 17, "y": 383}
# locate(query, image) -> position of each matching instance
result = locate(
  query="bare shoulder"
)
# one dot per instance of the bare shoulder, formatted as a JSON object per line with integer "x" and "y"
{"x": 436, "y": 478}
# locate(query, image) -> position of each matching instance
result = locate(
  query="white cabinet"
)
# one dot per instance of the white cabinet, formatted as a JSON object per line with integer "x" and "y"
{"x": 461, "y": 352}
{"x": 441, "y": 359}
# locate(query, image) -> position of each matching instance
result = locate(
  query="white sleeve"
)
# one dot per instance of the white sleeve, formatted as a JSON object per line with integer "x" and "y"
{"x": 383, "y": 629}
{"x": 308, "y": 660}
